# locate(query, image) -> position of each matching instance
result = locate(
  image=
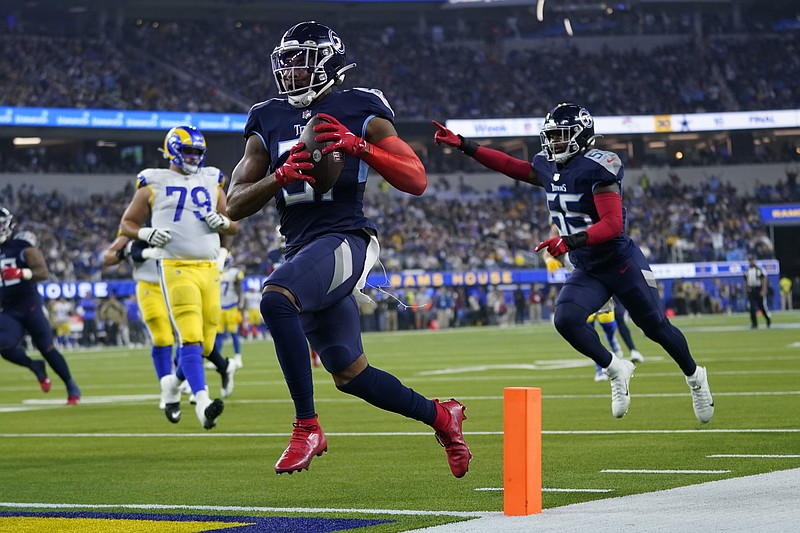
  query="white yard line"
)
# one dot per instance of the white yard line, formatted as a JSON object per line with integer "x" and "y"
{"x": 234, "y": 508}
{"x": 389, "y": 433}
{"x": 649, "y": 471}
{"x": 753, "y": 456}
{"x": 546, "y": 489}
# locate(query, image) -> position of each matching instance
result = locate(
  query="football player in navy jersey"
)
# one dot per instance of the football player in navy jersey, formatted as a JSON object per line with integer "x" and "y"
{"x": 330, "y": 245}
{"x": 584, "y": 195}
{"x": 22, "y": 265}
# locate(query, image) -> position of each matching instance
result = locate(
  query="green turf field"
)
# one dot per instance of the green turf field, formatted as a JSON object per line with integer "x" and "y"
{"x": 117, "y": 448}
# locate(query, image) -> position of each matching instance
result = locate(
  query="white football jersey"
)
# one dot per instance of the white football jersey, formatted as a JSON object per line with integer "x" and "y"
{"x": 179, "y": 204}
{"x": 227, "y": 285}
{"x": 146, "y": 271}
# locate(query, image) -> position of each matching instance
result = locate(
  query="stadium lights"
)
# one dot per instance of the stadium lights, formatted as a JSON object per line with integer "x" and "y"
{"x": 27, "y": 141}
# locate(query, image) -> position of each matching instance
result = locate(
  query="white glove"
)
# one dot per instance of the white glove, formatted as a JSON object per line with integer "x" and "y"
{"x": 154, "y": 236}
{"x": 216, "y": 221}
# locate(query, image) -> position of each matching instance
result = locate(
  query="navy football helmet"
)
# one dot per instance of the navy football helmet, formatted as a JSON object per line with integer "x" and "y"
{"x": 567, "y": 130}
{"x": 6, "y": 224}
{"x": 185, "y": 147}
{"x": 309, "y": 60}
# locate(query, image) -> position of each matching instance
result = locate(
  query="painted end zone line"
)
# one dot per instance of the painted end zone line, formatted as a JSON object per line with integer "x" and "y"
{"x": 551, "y": 490}
{"x": 665, "y": 471}
{"x": 754, "y": 456}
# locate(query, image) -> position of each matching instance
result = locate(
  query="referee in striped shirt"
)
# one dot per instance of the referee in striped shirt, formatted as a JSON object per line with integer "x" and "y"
{"x": 755, "y": 278}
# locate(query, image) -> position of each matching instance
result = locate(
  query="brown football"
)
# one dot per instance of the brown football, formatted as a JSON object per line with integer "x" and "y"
{"x": 326, "y": 167}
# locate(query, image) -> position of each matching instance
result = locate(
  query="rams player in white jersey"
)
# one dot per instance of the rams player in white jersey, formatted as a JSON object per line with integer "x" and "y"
{"x": 187, "y": 209}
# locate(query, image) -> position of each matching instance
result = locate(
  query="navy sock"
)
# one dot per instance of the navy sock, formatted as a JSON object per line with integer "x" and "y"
{"x": 219, "y": 361}
{"x": 673, "y": 341}
{"x": 58, "y": 364}
{"x": 162, "y": 360}
{"x": 192, "y": 366}
{"x": 291, "y": 346}
{"x": 570, "y": 321}
{"x": 17, "y": 356}
{"x": 383, "y": 390}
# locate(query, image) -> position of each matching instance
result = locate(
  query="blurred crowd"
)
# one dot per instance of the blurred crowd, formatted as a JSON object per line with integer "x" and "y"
{"x": 449, "y": 70}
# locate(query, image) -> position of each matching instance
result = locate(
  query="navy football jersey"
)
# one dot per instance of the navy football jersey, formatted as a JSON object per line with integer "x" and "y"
{"x": 16, "y": 292}
{"x": 571, "y": 202}
{"x": 304, "y": 213}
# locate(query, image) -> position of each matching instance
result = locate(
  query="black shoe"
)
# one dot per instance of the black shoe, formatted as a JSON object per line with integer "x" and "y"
{"x": 173, "y": 412}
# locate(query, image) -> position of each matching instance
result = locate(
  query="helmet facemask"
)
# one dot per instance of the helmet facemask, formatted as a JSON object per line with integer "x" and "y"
{"x": 561, "y": 142}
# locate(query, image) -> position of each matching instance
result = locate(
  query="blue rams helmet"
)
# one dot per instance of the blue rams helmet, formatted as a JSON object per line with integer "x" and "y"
{"x": 6, "y": 224}
{"x": 185, "y": 147}
{"x": 308, "y": 61}
{"x": 567, "y": 129}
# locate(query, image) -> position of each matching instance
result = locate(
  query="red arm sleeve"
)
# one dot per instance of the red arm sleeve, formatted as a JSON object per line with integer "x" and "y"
{"x": 609, "y": 207}
{"x": 393, "y": 159}
{"x": 503, "y": 163}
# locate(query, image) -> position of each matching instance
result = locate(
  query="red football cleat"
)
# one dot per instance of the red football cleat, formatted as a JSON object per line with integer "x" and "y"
{"x": 73, "y": 400}
{"x": 452, "y": 438}
{"x": 307, "y": 441}
{"x": 45, "y": 384}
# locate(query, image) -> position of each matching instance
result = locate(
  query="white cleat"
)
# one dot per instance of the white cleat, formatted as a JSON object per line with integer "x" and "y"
{"x": 209, "y": 365}
{"x": 185, "y": 388}
{"x": 636, "y": 357}
{"x": 208, "y": 410}
{"x": 227, "y": 379}
{"x": 620, "y": 371}
{"x": 171, "y": 398}
{"x": 702, "y": 401}
{"x": 238, "y": 359}
{"x": 600, "y": 376}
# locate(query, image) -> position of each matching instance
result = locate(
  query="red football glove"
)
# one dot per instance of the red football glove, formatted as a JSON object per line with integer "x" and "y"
{"x": 555, "y": 246}
{"x": 443, "y": 135}
{"x": 343, "y": 139}
{"x": 9, "y": 273}
{"x": 291, "y": 170}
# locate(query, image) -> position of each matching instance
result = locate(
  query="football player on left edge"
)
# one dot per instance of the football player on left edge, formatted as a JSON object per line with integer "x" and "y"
{"x": 22, "y": 265}
{"x": 330, "y": 245}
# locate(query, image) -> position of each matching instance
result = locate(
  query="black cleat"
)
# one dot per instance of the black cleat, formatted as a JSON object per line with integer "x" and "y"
{"x": 173, "y": 412}
{"x": 212, "y": 412}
